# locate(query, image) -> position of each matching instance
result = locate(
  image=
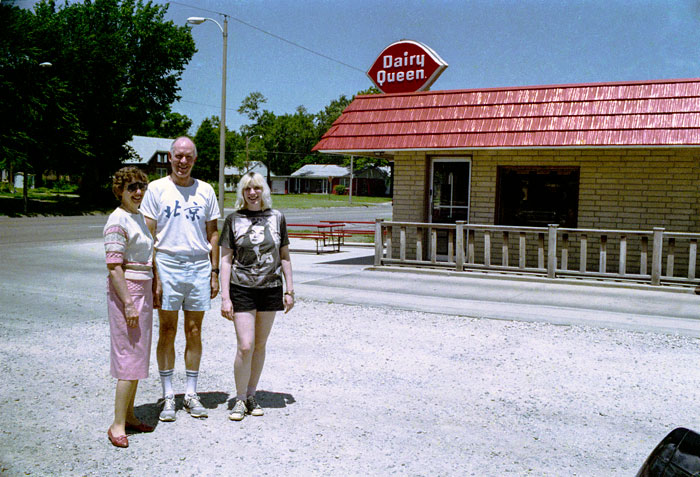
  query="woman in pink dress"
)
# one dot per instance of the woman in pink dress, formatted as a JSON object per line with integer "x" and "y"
{"x": 129, "y": 251}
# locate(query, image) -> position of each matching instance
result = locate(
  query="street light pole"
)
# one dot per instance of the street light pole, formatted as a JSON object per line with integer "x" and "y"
{"x": 222, "y": 119}
{"x": 25, "y": 177}
{"x": 247, "y": 141}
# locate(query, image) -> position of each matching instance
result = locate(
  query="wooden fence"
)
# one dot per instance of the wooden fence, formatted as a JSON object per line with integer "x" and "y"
{"x": 655, "y": 257}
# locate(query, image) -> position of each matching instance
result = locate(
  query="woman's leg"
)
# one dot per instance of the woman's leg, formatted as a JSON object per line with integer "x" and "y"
{"x": 122, "y": 399}
{"x": 130, "y": 416}
{"x": 263, "y": 325}
{"x": 244, "y": 322}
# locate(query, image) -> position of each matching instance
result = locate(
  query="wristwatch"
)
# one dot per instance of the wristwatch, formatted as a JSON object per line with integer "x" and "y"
{"x": 215, "y": 270}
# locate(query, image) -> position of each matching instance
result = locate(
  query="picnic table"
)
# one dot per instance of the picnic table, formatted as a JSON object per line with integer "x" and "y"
{"x": 324, "y": 234}
{"x": 354, "y": 227}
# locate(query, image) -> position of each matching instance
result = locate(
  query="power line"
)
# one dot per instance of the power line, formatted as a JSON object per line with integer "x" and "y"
{"x": 249, "y": 25}
{"x": 204, "y": 104}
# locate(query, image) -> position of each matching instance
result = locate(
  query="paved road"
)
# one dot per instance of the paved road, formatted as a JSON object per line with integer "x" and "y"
{"x": 27, "y": 230}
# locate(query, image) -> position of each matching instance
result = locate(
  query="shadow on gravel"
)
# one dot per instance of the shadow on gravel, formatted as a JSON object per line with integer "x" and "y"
{"x": 149, "y": 412}
{"x": 268, "y": 399}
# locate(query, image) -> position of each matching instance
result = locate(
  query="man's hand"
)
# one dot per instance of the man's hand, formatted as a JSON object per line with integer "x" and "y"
{"x": 214, "y": 285}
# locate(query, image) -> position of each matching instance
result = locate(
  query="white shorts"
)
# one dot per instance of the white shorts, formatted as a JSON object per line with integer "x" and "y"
{"x": 186, "y": 282}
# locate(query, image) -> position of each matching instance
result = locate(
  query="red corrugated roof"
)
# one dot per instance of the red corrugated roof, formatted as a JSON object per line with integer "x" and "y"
{"x": 650, "y": 113}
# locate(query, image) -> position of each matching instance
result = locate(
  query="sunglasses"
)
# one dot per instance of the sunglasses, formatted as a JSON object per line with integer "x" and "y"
{"x": 137, "y": 185}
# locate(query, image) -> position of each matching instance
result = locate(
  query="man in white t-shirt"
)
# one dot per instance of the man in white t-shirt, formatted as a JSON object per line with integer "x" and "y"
{"x": 182, "y": 214}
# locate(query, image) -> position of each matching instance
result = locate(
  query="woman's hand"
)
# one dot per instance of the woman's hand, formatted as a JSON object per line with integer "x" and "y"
{"x": 131, "y": 315}
{"x": 157, "y": 294}
{"x": 227, "y": 308}
{"x": 288, "y": 302}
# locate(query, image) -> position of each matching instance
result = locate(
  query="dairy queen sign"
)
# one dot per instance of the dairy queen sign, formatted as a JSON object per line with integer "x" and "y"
{"x": 405, "y": 67}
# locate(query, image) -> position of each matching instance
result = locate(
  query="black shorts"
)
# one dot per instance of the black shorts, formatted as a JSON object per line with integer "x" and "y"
{"x": 259, "y": 299}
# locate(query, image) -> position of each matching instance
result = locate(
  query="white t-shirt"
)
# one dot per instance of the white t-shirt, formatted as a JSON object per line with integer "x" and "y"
{"x": 181, "y": 214}
{"x": 128, "y": 242}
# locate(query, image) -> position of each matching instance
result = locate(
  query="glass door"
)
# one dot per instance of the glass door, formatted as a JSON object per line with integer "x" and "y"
{"x": 449, "y": 195}
{"x": 449, "y": 190}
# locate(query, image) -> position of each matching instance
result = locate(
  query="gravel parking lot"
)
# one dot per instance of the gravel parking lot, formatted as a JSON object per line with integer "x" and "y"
{"x": 354, "y": 390}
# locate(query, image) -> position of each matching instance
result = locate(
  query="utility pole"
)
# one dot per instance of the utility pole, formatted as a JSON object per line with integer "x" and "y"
{"x": 352, "y": 158}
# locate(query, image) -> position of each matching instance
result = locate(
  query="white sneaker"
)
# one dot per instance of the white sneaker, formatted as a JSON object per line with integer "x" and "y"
{"x": 238, "y": 412}
{"x": 194, "y": 406}
{"x": 254, "y": 408}
{"x": 168, "y": 412}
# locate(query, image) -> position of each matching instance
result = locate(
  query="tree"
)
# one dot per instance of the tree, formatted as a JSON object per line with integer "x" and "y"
{"x": 289, "y": 138}
{"x": 120, "y": 62}
{"x": 36, "y": 107}
{"x": 250, "y": 106}
{"x": 207, "y": 141}
{"x": 170, "y": 125}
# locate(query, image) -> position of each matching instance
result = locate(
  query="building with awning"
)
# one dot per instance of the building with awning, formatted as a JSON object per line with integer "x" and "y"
{"x": 622, "y": 155}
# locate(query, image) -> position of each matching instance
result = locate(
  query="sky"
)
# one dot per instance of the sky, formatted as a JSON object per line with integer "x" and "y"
{"x": 486, "y": 43}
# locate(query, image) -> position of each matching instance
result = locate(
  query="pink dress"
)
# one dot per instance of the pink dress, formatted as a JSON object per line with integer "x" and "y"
{"x": 129, "y": 242}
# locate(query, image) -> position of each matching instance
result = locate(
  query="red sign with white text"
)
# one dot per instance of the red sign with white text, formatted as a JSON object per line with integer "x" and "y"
{"x": 405, "y": 67}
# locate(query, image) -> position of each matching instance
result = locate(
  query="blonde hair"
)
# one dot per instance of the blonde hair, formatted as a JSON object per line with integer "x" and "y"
{"x": 253, "y": 179}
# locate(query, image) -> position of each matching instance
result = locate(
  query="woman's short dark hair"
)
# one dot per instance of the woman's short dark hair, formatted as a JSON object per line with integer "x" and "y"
{"x": 124, "y": 176}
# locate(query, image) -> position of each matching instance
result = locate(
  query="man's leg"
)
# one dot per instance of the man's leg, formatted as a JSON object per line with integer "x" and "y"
{"x": 165, "y": 353}
{"x": 193, "y": 339}
{"x": 193, "y": 356}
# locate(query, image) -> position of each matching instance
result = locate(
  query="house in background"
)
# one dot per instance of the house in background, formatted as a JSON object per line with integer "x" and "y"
{"x": 150, "y": 154}
{"x": 322, "y": 179}
{"x": 233, "y": 174}
{"x": 317, "y": 178}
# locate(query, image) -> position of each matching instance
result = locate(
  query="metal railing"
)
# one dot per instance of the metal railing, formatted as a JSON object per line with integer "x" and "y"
{"x": 655, "y": 257}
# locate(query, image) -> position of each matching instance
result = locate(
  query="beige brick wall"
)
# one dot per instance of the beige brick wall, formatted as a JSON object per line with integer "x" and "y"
{"x": 635, "y": 189}
{"x": 618, "y": 189}
{"x": 410, "y": 196}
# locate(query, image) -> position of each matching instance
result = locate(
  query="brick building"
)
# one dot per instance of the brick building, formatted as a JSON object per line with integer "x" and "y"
{"x": 150, "y": 154}
{"x": 603, "y": 156}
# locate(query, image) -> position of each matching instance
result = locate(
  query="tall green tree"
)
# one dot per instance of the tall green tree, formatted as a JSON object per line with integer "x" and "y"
{"x": 289, "y": 138}
{"x": 207, "y": 141}
{"x": 169, "y": 125}
{"x": 121, "y": 61}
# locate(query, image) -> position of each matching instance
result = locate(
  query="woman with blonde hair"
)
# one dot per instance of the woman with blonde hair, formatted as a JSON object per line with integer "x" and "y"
{"x": 254, "y": 260}
{"x": 129, "y": 251}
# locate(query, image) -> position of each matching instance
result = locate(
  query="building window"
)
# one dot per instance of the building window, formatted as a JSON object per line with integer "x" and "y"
{"x": 162, "y": 172}
{"x": 537, "y": 196}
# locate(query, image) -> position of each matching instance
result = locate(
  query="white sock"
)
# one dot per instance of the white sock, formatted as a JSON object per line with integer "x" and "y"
{"x": 166, "y": 380}
{"x": 191, "y": 381}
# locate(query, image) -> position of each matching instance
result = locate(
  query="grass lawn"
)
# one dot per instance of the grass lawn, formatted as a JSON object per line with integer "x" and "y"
{"x": 43, "y": 202}
{"x": 47, "y": 202}
{"x": 308, "y": 201}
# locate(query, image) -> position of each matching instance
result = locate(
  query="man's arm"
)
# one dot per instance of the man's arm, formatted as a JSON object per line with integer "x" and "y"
{"x": 213, "y": 238}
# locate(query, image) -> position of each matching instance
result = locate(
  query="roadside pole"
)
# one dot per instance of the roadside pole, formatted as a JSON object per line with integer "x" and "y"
{"x": 352, "y": 158}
